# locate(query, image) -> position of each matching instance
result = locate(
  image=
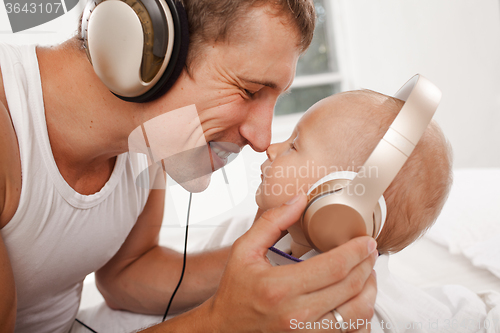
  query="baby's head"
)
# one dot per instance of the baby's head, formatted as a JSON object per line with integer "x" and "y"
{"x": 338, "y": 134}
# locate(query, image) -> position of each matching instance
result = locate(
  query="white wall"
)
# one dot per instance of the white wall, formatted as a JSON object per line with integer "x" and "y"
{"x": 454, "y": 43}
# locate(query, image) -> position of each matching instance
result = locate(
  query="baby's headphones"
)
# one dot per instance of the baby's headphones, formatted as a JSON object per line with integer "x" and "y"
{"x": 345, "y": 205}
{"x": 138, "y": 48}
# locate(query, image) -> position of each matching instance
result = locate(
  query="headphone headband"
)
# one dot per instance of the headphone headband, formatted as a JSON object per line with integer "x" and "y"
{"x": 342, "y": 209}
{"x": 421, "y": 101}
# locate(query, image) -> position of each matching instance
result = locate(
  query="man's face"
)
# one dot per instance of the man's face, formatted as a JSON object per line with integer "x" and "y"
{"x": 235, "y": 84}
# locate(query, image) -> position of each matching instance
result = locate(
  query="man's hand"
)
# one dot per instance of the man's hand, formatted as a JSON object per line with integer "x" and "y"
{"x": 254, "y": 296}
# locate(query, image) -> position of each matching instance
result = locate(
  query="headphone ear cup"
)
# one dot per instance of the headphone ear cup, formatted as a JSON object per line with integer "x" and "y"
{"x": 178, "y": 58}
{"x": 180, "y": 62}
{"x": 124, "y": 42}
{"x": 332, "y": 218}
{"x": 327, "y": 224}
{"x": 115, "y": 43}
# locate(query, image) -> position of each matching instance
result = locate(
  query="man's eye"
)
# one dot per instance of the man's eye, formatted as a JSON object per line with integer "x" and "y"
{"x": 249, "y": 93}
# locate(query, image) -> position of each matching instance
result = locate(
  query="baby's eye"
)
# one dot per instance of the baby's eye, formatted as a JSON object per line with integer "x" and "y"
{"x": 292, "y": 146}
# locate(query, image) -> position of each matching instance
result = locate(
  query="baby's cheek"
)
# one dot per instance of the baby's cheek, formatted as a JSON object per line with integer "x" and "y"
{"x": 275, "y": 192}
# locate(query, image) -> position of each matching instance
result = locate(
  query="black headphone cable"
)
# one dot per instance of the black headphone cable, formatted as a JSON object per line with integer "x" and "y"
{"x": 184, "y": 259}
{"x": 87, "y": 327}
{"x": 182, "y": 273}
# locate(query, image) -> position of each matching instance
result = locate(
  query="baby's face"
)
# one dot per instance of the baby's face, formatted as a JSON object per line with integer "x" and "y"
{"x": 313, "y": 150}
{"x": 293, "y": 166}
{"x": 317, "y": 147}
{"x": 321, "y": 143}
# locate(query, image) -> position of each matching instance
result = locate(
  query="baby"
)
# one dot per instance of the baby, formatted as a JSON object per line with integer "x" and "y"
{"x": 338, "y": 134}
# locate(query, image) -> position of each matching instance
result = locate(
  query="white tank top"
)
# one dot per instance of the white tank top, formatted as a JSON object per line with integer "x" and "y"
{"x": 57, "y": 236}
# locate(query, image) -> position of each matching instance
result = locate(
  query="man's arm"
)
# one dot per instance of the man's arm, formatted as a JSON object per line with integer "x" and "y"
{"x": 142, "y": 276}
{"x": 10, "y": 187}
{"x": 8, "y": 299}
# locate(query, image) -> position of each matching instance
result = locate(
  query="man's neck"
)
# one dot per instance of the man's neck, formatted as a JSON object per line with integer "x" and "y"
{"x": 88, "y": 126}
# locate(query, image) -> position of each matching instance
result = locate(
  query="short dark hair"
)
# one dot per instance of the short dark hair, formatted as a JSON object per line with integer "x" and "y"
{"x": 214, "y": 20}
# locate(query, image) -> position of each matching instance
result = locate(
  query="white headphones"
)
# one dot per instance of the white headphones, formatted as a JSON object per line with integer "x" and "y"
{"x": 138, "y": 48}
{"x": 345, "y": 205}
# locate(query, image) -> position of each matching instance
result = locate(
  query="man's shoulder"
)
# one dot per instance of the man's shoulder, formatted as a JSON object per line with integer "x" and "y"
{"x": 10, "y": 163}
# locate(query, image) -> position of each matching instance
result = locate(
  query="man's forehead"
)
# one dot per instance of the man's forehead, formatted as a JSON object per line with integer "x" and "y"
{"x": 256, "y": 24}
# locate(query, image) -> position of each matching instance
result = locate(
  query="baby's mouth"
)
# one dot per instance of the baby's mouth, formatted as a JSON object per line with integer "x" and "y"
{"x": 263, "y": 169}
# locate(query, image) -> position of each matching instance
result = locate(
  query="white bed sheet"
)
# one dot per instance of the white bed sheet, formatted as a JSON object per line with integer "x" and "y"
{"x": 427, "y": 264}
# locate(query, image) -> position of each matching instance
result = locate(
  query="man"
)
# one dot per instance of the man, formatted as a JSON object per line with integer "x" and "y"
{"x": 77, "y": 214}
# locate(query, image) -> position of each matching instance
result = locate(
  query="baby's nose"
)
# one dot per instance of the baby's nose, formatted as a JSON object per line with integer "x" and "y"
{"x": 271, "y": 152}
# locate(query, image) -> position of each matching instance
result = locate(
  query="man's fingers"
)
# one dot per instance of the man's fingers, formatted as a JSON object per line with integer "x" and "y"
{"x": 268, "y": 228}
{"x": 357, "y": 313}
{"x": 360, "y": 309}
{"x": 349, "y": 288}
{"x": 332, "y": 266}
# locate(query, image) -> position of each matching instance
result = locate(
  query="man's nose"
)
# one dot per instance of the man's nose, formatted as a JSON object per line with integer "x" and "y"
{"x": 257, "y": 127}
